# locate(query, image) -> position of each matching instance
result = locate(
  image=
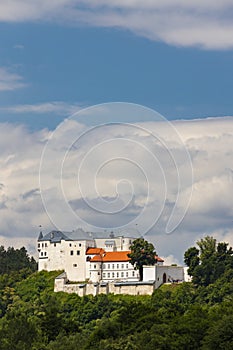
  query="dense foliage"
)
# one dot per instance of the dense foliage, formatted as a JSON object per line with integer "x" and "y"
{"x": 12, "y": 260}
{"x": 210, "y": 262}
{"x": 177, "y": 316}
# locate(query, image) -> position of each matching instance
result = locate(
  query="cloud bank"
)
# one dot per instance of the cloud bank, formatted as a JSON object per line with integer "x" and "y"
{"x": 209, "y": 142}
{"x": 206, "y": 24}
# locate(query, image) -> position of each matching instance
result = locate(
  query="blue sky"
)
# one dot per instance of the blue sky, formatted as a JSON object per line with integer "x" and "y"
{"x": 85, "y": 66}
{"x": 173, "y": 56}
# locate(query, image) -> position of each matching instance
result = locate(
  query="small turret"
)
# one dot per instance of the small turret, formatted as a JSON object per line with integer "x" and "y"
{"x": 40, "y": 236}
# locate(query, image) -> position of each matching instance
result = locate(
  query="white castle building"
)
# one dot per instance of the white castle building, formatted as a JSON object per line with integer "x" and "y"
{"x": 100, "y": 263}
{"x": 86, "y": 256}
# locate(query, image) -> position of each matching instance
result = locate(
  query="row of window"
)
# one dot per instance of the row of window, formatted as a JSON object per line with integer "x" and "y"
{"x": 71, "y": 253}
{"x": 77, "y": 252}
{"x": 45, "y": 245}
{"x": 117, "y": 274}
{"x": 42, "y": 245}
{"x": 117, "y": 266}
{"x": 80, "y": 244}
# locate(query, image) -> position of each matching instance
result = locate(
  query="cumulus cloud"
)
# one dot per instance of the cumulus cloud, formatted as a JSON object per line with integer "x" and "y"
{"x": 120, "y": 191}
{"x": 206, "y": 24}
{"x": 9, "y": 80}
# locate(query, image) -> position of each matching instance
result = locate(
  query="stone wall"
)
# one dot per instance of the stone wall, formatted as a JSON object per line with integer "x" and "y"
{"x": 130, "y": 288}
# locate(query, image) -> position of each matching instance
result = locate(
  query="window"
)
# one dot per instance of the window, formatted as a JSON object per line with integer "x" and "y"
{"x": 42, "y": 253}
{"x": 133, "y": 274}
{"x": 104, "y": 266}
{"x": 122, "y": 266}
{"x": 78, "y": 252}
{"x": 113, "y": 266}
{"x": 45, "y": 253}
{"x": 108, "y": 266}
{"x": 108, "y": 274}
{"x": 80, "y": 244}
{"x": 70, "y": 245}
{"x": 113, "y": 275}
{"x": 127, "y": 274}
{"x": 117, "y": 274}
{"x": 104, "y": 275}
{"x": 117, "y": 266}
{"x": 122, "y": 274}
{"x": 54, "y": 244}
{"x": 42, "y": 245}
{"x": 71, "y": 252}
{"x": 127, "y": 266}
{"x": 45, "y": 245}
{"x": 75, "y": 265}
{"x": 94, "y": 266}
{"x": 38, "y": 245}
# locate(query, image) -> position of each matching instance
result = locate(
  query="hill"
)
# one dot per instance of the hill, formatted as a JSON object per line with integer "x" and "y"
{"x": 177, "y": 316}
{"x": 174, "y": 317}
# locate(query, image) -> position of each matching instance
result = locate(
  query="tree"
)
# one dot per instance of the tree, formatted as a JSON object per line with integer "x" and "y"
{"x": 207, "y": 247}
{"x": 191, "y": 259}
{"x": 142, "y": 253}
{"x": 15, "y": 260}
{"x": 210, "y": 262}
{"x": 220, "y": 334}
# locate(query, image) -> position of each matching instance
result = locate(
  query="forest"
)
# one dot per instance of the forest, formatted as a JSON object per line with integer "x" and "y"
{"x": 194, "y": 315}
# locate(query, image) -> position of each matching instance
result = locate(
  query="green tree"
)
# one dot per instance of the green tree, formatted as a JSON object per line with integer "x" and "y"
{"x": 210, "y": 262}
{"x": 220, "y": 335}
{"x": 142, "y": 253}
{"x": 15, "y": 260}
{"x": 191, "y": 259}
{"x": 207, "y": 247}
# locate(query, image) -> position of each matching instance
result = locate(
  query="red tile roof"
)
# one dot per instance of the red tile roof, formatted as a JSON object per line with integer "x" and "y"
{"x": 112, "y": 257}
{"x": 102, "y": 256}
{"x": 158, "y": 258}
{"x": 94, "y": 251}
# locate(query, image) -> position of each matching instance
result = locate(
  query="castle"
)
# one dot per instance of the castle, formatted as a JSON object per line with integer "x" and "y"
{"x": 100, "y": 263}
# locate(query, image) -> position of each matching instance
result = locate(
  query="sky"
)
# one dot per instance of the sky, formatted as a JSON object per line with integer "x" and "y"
{"x": 60, "y": 58}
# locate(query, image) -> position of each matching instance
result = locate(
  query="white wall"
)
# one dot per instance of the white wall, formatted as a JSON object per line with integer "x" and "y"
{"x": 163, "y": 274}
{"x": 59, "y": 257}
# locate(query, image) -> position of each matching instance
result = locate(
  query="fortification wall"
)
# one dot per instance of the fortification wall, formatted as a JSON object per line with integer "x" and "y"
{"x": 130, "y": 288}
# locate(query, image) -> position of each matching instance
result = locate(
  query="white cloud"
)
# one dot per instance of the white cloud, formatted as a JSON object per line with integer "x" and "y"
{"x": 207, "y": 24}
{"x": 57, "y": 107}
{"x": 209, "y": 142}
{"x": 9, "y": 80}
{"x": 170, "y": 259}
{"x": 18, "y": 46}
